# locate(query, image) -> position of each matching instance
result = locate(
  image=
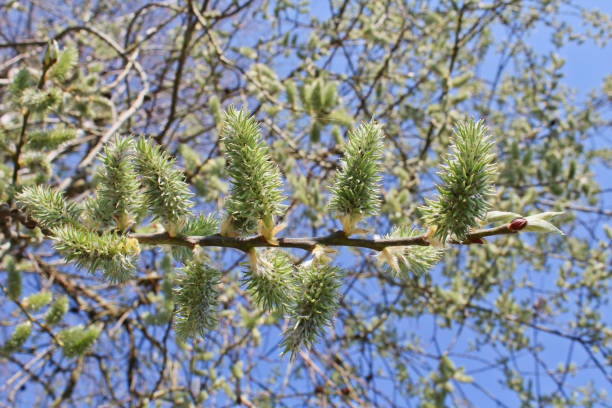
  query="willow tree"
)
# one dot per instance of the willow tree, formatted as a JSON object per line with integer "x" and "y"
{"x": 274, "y": 204}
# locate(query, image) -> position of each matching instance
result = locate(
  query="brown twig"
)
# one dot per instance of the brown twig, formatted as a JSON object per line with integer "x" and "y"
{"x": 336, "y": 238}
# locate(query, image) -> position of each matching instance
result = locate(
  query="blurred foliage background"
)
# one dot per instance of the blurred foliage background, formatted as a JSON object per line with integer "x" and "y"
{"x": 521, "y": 320}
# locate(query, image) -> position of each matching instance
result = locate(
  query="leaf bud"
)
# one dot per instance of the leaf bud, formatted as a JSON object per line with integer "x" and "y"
{"x": 51, "y": 54}
{"x": 517, "y": 224}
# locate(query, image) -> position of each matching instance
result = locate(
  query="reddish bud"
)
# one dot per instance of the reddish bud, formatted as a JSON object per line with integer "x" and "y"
{"x": 517, "y": 224}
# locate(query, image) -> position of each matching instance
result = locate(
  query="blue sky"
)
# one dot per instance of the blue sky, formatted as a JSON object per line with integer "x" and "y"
{"x": 584, "y": 69}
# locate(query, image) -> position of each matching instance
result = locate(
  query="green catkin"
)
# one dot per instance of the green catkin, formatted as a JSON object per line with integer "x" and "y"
{"x": 196, "y": 299}
{"x": 316, "y": 301}
{"x": 256, "y": 181}
{"x": 57, "y": 310}
{"x": 13, "y": 279}
{"x": 355, "y": 193}
{"x": 77, "y": 340}
{"x": 18, "y": 337}
{"x": 466, "y": 184}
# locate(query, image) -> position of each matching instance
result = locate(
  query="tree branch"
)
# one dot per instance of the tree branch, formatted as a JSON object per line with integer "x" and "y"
{"x": 337, "y": 238}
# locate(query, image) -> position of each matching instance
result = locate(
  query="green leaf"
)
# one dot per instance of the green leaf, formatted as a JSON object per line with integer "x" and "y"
{"x": 494, "y": 217}
{"x": 546, "y": 215}
{"x": 538, "y": 223}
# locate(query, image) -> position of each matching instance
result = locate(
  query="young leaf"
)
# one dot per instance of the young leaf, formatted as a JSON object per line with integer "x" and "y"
{"x": 500, "y": 217}
{"x": 539, "y": 223}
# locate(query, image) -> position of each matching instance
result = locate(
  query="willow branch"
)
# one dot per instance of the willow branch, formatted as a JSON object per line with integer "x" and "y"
{"x": 337, "y": 238}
